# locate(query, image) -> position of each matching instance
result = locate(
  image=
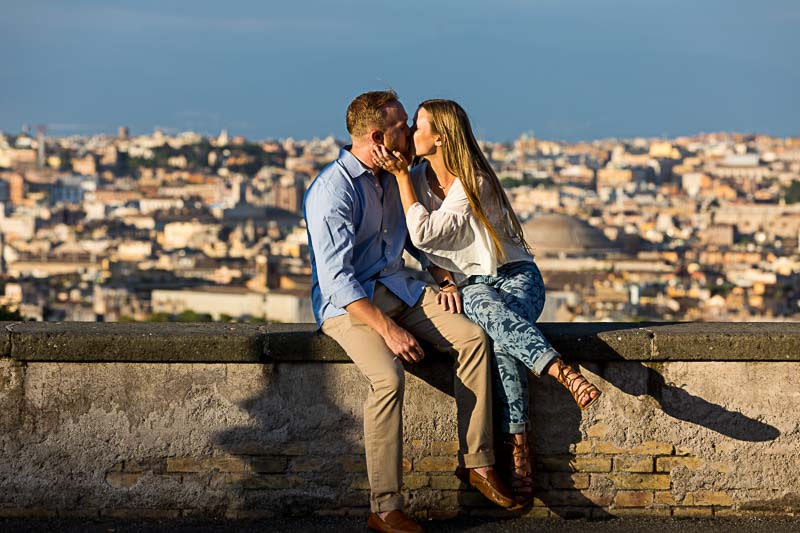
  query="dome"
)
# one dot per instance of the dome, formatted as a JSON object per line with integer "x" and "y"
{"x": 555, "y": 233}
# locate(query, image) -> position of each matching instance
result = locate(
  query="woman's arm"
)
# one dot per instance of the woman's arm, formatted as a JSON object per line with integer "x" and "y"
{"x": 397, "y": 164}
{"x": 448, "y": 296}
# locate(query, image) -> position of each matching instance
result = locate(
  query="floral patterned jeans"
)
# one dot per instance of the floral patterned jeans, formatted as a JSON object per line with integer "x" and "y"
{"x": 507, "y": 306}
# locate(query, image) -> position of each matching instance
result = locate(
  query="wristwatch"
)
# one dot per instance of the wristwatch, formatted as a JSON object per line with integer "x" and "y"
{"x": 445, "y": 284}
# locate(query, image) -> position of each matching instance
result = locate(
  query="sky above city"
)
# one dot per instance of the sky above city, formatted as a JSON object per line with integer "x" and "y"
{"x": 571, "y": 70}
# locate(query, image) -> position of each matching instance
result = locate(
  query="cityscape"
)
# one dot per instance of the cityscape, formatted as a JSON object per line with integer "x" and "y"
{"x": 188, "y": 227}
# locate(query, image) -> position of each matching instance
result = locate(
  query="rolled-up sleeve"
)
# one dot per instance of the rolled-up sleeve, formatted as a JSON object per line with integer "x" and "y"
{"x": 329, "y": 216}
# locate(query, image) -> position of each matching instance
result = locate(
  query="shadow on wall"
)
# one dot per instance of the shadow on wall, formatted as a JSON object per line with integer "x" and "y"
{"x": 556, "y": 419}
{"x": 296, "y": 464}
{"x": 557, "y": 489}
{"x": 304, "y": 446}
{"x": 675, "y": 401}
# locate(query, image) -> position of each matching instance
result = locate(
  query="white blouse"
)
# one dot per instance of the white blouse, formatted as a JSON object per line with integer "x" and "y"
{"x": 451, "y": 235}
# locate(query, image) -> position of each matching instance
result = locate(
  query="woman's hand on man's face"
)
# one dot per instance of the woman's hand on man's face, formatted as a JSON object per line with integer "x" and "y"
{"x": 392, "y": 162}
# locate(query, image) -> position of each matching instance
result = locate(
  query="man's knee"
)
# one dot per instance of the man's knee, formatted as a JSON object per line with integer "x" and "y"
{"x": 473, "y": 338}
{"x": 391, "y": 379}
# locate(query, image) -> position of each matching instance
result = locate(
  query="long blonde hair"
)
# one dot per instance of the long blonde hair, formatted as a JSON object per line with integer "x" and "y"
{"x": 463, "y": 158}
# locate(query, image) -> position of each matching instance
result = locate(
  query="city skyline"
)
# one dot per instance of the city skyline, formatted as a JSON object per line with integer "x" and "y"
{"x": 577, "y": 72}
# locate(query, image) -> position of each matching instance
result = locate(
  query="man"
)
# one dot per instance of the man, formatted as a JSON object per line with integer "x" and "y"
{"x": 364, "y": 299}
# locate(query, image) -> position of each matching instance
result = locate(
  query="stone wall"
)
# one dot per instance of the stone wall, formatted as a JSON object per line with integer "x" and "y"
{"x": 170, "y": 420}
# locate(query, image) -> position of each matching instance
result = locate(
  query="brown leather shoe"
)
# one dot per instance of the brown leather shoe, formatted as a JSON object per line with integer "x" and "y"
{"x": 395, "y": 522}
{"x": 491, "y": 486}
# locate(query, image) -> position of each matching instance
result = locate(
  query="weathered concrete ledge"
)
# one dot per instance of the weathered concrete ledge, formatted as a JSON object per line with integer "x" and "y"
{"x": 252, "y": 421}
{"x": 244, "y": 343}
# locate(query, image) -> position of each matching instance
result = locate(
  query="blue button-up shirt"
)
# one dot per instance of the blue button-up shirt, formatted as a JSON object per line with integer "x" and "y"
{"x": 356, "y": 236}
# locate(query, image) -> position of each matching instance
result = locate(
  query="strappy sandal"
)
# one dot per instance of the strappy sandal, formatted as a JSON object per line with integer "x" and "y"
{"x": 576, "y": 384}
{"x": 519, "y": 468}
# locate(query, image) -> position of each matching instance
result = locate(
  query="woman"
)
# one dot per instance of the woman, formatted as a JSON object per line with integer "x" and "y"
{"x": 458, "y": 214}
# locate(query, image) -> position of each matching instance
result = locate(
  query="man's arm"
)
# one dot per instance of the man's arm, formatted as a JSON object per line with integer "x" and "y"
{"x": 329, "y": 216}
{"x": 400, "y": 342}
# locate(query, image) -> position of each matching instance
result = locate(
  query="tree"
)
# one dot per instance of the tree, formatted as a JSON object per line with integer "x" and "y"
{"x": 792, "y": 192}
{"x": 6, "y": 314}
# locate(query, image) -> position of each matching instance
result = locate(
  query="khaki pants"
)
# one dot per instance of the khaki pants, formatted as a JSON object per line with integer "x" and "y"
{"x": 383, "y": 409}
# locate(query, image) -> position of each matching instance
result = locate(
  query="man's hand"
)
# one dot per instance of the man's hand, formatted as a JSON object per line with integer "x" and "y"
{"x": 399, "y": 341}
{"x": 450, "y": 299}
{"x": 402, "y": 343}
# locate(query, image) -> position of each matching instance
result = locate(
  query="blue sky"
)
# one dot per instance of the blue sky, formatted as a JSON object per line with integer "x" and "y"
{"x": 563, "y": 69}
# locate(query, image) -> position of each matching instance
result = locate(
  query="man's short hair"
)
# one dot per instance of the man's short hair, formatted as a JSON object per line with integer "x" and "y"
{"x": 365, "y": 112}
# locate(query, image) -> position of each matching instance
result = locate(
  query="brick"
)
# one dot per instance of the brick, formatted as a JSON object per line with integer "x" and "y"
{"x": 653, "y": 448}
{"x": 408, "y": 465}
{"x": 143, "y": 466}
{"x": 563, "y": 480}
{"x": 633, "y": 463}
{"x": 353, "y": 464}
{"x": 665, "y": 498}
{"x": 308, "y": 464}
{"x": 666, "y": 464}
{"x": 74, "y": 514}
{"x": 415, "y": 481}
{"x": 641, "y": 481}
{"x": 537, "y": 512}
{"x": 607, "y": 448}
{"x": 360, "y": 483}
{"x": 700, "y": 498}
{"x": 122, "y": 480}
{"x": 436, "y": 464}
{"x": 592, "y": 464}
{"x": 267, "y": 464}
{"x": 554, "y": 463}
{"x": 27, "y": 512}
{"x": 566, "y": 463}
{"x": 730, "y": 513}
{"x": 245, "y": 514}
{"x": 267, "y": 448}
{"x": 634, "y": 498}
{"x": 692, "y": 512}
{"x": 597, "y": 431}
{"x": 225, "y": 464}
{"x": 147, "y": 514}
{"x": 682, "y": 452}
{"x": 573, "y": 512}
{"x": 197, "y": 514}
{"x": 353, "y": 498}
{"x": 294, "y": 448}
{"x": 633, "y": 512}
{"x": 236, "y": 478}
{"x": 556, "y": 498}
{"x": 444, "y": 448}
{"x": 473, "y": 499}
{"x": 191, "y": 464}
{"x": 184, "y": 464}
{"x": 272, "y": 482}
{"x": 449, "y": 500}
{"x": 446, "y": 483}
{"x": 583, "y": 447}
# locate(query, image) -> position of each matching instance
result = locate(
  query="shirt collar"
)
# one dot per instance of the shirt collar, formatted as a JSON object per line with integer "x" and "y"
{"x": 351, "y": 164}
